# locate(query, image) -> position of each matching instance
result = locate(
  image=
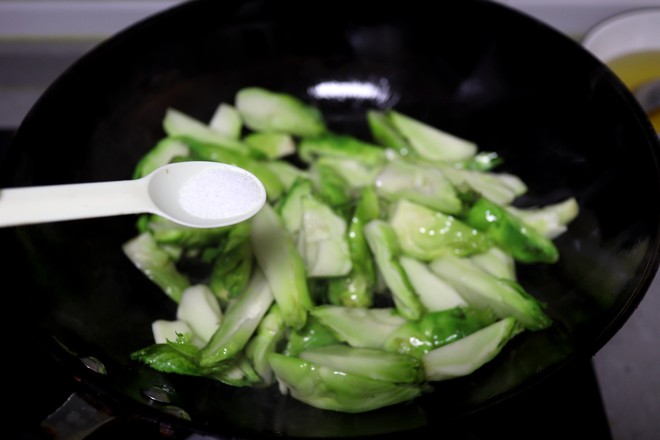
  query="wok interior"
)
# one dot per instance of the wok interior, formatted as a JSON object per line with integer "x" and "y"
{"x": 557, "y": 117}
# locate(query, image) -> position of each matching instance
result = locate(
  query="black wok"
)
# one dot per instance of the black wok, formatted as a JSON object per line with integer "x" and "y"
{"x": 558, "y": 117}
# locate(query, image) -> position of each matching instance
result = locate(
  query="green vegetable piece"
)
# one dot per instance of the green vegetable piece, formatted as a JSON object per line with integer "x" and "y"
{"x": 341, "y": 147}
{"x": 550, "y": 220}
{"x": 434, "y": 293}
{"x": 386, "y": 134}
{"x": 233, "y": 263}
{"x": 524, "y": 243}
{"x": 180, "y": 357}
{"x": 290, "y": 207}
{"x": 227, "y": 121}
{"x": 356, "y": 289}
{"x": 232, "y": 271}
{"x": 430, "y": 142}
{"x": 270, "y": 333}
{"x": 501, "y": 188}
{"x": 496, "y": 262}
{"x": 482, "y": 161}
{"x": 265, "y": 110}
{"x": 426, "y": 234}
{"x": 282, "y": 265}
{"x": 314, "y": 334}
{"x": 355, "y": 173}
{"x": 165, "y": 231}
{"x": 360, "y": 327}
{"x": 370, "y": 362}
{"x": 352, "y": 290}
{"x": 179, "y": 125}
{"x": 480, "y": 289}
{"x": 200, "y": 309}
{"x": 424, "y": 185}
{"x": 164, "y": 331}
{"x": 327, "y": 388}
{"x": 156, "y": 264}
{"x": 466, "y": 355}
{"x": 163, "y": 153}
{"x": 436, "y": 329}
{"x": 322, "y": 240}
{"x": 385, "y": 248}
{"x": 271, "y": 145}
{"x": 236, "y": 372}
{"x": 286, "y": 172}
{"x": 239, "y": 322}
{"x": 172, "y": 357}
{"x": 329, "y": 186}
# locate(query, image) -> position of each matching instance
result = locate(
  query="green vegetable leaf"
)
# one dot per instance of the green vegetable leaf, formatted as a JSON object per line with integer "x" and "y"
{"x": 426, "y": 234}
{"x": 436, "y": 329}
{"x": 329, "y": 388}
{"x": 282, "y": 265}
{"x": 172, "y": 357}
{"x": 268, "y": 111}
{"x": 385, "y": 248}
{"x": 523, "y": 242}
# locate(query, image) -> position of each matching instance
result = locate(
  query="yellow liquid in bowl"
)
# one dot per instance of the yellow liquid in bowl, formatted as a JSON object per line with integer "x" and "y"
{"x": 637, "y": 68}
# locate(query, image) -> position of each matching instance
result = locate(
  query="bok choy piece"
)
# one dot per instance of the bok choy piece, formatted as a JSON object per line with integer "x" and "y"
{"x": 385, "y": 248}
{"x": 466, "y": 355}
{"x": 314, "y": 334}
{"x": 341, "y": 147}
{"x": 263, "y": 110}
{"x": 270, "y": 333}
{"x": 426, "y": 234}
{"x": 420, "y": 184}
{"x": 322, "y": 241}
{"x": 232, "y": 262}
{"x": 373, "y": 363}
{"x": 430, "y": 142}
{"x": 282, "y": 265}
{"x": 386, "y": 134}
{"x": 333, "y": 389}
{"x": 227, "y": 121}
{"x": 239, "y": 323}
{"x": 271, "y": 145}
{"x": 165, "y": 151}
{"x": 165, "y": 331}
{"x": 360, "y": 327}
{"x": 356, "y": 288}
{"x": 523, "y": 242}
{"x": 481, "y": 289}
{"x": 179, "y": 125}
{"x": 199, "y": 308}
{"x": 549, "y": 220}
{"x": 434, "y": 293}
{"x": 435, "y": 329}
{"x": 156, "y": 264}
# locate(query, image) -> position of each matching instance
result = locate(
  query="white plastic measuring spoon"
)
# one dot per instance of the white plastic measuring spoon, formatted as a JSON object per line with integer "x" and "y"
{"x": 197, "y": 194}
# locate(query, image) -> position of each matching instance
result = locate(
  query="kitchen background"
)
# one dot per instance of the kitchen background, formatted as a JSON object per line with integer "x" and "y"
{"x": 39, "y": 39}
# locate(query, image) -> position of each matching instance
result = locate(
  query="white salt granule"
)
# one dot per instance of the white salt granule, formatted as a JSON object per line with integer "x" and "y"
{"x": 219, "y": 193}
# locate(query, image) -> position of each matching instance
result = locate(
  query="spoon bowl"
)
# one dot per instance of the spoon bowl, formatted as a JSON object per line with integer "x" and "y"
{"x": 197, "y": 194}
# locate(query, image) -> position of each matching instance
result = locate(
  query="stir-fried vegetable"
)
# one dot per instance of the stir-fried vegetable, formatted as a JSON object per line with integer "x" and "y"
{"x": 377, "y": 268}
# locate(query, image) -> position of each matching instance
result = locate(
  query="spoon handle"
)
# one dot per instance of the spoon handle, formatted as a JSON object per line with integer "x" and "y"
{"x": 41, "y": 204}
